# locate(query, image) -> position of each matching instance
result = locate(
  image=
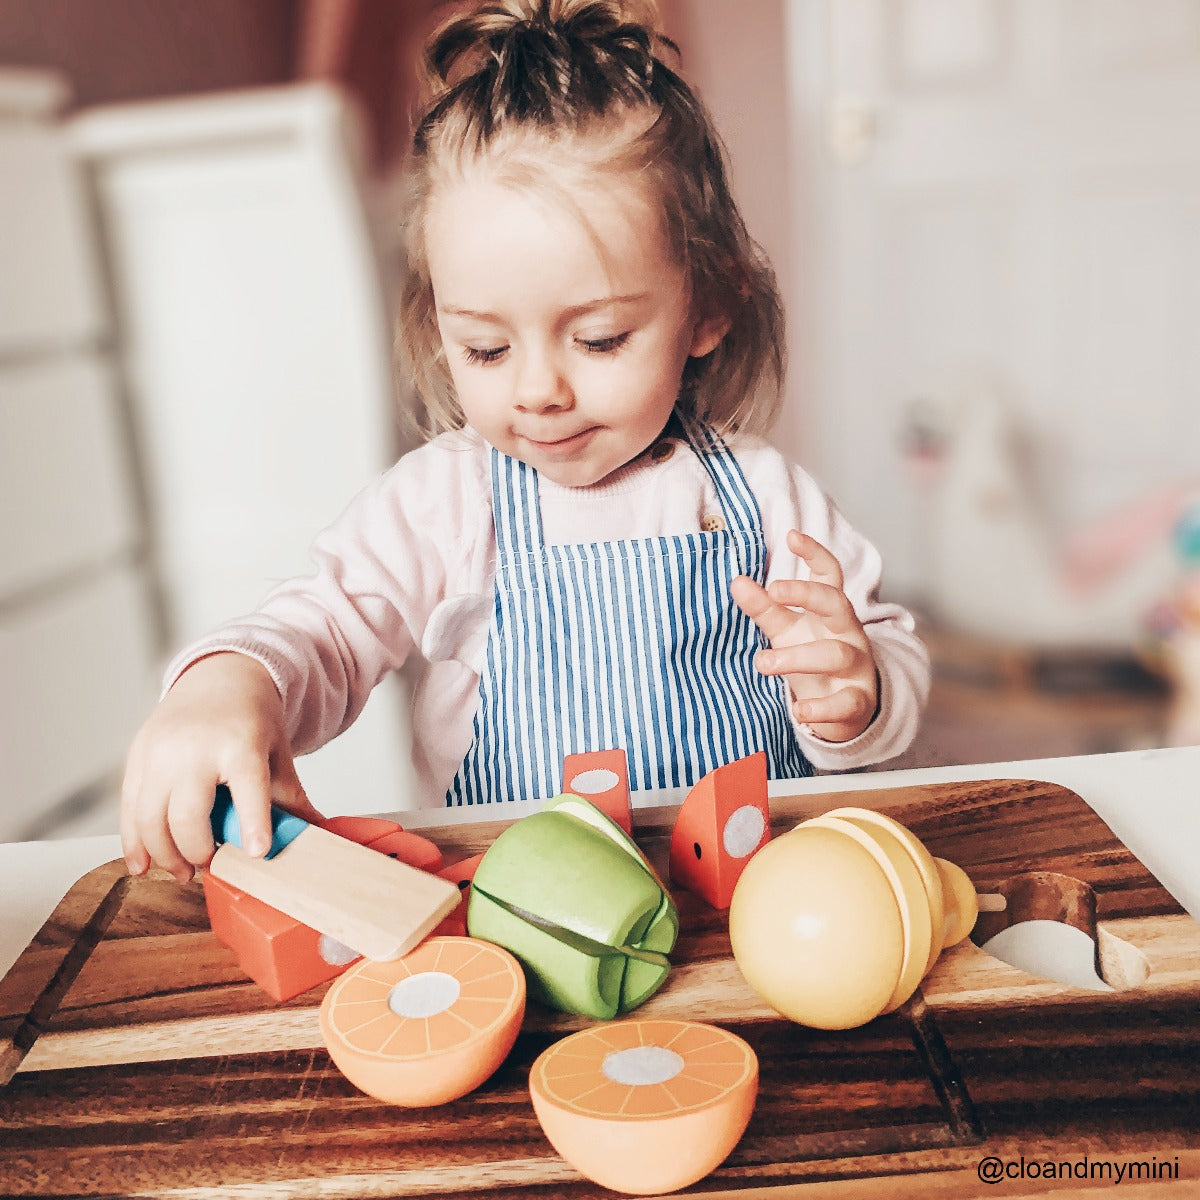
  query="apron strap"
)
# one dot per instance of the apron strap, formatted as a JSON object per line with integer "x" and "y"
{"x": 516, "y": 508}
{"x": 738, "y": 503}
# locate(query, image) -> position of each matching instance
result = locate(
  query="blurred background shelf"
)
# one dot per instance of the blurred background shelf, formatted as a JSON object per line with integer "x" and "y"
{"x": 993, "y": 701}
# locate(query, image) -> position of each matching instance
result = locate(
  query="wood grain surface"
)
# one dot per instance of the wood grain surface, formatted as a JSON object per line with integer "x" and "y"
{"x": 140, "y": 1061}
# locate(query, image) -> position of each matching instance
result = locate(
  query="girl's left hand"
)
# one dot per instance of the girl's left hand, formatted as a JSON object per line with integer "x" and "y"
{"x": 817, "y": 642}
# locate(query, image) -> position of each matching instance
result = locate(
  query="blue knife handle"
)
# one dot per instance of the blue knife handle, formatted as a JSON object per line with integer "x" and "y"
{"x": 285, "y": 828}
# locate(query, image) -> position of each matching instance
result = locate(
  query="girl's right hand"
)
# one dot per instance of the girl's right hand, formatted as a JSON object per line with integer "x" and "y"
{"x": 221, "y": 722}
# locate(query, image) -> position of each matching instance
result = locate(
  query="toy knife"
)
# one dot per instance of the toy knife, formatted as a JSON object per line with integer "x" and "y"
{"x": 379, "y": 907}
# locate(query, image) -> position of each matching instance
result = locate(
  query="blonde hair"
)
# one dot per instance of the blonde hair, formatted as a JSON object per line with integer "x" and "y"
{"x": 566, "y": 70}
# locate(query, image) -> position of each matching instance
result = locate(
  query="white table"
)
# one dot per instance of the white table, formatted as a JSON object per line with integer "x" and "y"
{"x": 1149, "y": 798}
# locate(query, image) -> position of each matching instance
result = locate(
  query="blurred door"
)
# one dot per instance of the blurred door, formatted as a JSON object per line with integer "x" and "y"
{"x": 1006, "y": 194}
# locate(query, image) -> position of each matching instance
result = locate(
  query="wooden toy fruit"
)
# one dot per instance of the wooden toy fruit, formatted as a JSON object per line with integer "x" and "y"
{"x": 282, "y": 955}
{"x": 387, "y": 838}
{"x": 916, "y": 918}
{"x": 460, "y": 873}
{"x": 720, "y": 824}
{"x": 645, "y": 1107}
{"x": 427, "y": 1028}
{"x": 601, "y": 777}
{"x": 838, "y": 920}
{"x": 572, "y": 896}
{"x": 815, "y": 929}
{"x": 951, "y": 893}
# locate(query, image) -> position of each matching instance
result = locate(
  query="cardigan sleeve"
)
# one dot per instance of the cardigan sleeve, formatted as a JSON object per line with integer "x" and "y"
{"x": 792, "y": 499}
{"x": 408, "y": 540}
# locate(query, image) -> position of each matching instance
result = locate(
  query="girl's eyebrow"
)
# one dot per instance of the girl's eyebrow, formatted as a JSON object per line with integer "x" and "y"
{"x": 576, "y": 310}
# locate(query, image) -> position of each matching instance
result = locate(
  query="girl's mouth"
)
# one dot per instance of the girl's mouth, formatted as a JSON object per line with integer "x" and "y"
{"x": 562, "y": 447}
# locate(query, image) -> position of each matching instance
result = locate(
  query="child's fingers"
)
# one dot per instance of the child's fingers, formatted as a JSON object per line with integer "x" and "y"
{"x": 826, "y": 656}
{"x": 137, "y": 859}
{"x": 847, "y": 706}
{"x": 289, "y": 792}
{"x": 188, "y": 818}
{"x": 752, "y": 598}
{"x": 823, "y": 565}
{"x": 823, "y": 600}
{"x": 250, "y": 786}
{"x": 155, "y": 830}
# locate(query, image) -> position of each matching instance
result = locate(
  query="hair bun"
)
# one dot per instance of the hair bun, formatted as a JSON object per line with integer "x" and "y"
{"x": 507, "y": 32}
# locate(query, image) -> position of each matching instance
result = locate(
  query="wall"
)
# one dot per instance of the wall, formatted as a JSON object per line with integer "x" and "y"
{"x": 131, "y": 49}
{"x": 736, "y": 55}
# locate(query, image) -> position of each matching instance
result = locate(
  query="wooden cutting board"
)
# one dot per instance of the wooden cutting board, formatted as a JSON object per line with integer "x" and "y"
{"x": 139, "y": 1059}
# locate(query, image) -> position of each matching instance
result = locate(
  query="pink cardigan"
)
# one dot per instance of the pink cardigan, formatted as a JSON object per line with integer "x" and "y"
{"x": 409, "y": 567}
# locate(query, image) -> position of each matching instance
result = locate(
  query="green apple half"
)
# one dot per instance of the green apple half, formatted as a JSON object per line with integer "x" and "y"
{"x": 571, "y": 895}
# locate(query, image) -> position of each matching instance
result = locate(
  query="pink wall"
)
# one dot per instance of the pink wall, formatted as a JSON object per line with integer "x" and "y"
{"x": 735, "y": 54}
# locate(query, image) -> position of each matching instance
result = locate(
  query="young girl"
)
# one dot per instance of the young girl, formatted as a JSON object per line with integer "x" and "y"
{"x": 596, "y": 550}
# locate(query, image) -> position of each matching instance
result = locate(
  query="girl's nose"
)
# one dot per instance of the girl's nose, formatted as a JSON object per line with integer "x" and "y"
{"x": 541, "y": 385}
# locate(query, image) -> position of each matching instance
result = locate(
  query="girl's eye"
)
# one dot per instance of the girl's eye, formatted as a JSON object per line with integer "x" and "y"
{"x": 489, "y": 354}
{"x": 605, "y": 345}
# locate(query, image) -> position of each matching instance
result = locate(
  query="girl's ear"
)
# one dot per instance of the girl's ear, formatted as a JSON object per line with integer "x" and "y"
{"x": 707, "y": 334}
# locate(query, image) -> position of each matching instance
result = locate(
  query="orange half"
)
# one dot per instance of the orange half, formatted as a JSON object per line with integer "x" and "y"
{"x": 426, "y": 1028}
{"x": 645, "y": 1107}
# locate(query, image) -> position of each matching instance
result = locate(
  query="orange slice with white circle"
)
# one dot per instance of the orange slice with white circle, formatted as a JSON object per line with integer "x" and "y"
{"x": 429, "y": 1027}
{"x": 721, "y": 824}
{"x": 601, "y": 777}
{"x": 645, "y": 1107}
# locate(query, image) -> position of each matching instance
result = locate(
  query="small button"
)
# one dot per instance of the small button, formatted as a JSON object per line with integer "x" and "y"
{"x": 661, "y": 451}
{"x": 712, "y": 523}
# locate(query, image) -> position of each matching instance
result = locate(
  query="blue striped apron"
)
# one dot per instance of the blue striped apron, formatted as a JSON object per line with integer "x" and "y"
{"x": 632, "y": 644}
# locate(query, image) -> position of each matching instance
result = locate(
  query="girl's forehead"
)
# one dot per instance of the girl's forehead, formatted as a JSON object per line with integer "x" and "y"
{"x": 526, "y": 246}
{"x": 562, "y": 195}
{"x": 587, "y": 199}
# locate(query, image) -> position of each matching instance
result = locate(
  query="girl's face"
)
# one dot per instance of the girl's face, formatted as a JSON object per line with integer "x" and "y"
{"x": 566, "y": 331}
